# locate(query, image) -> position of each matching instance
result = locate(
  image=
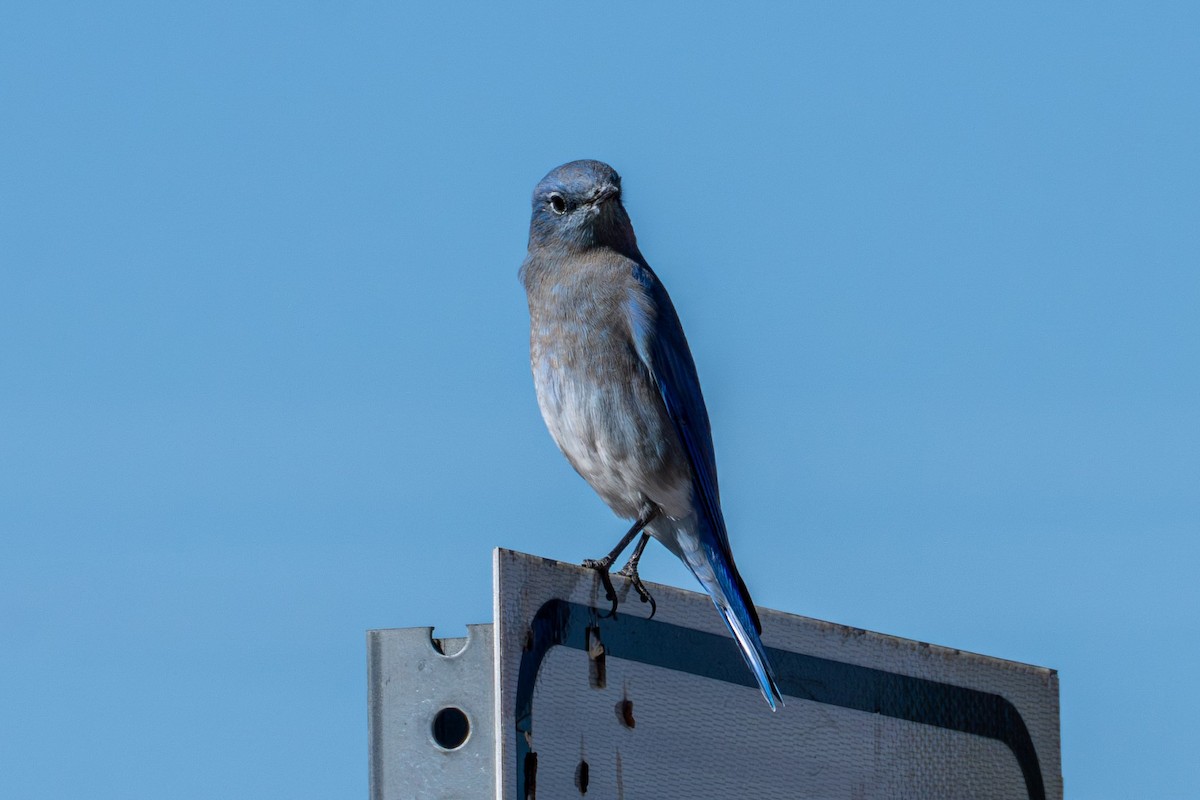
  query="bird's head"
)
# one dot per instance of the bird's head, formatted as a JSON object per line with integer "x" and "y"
{"x": 578, "y": 206}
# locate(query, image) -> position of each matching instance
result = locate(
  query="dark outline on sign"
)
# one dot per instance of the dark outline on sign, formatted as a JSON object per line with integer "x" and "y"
{"x": 821, "y": 680}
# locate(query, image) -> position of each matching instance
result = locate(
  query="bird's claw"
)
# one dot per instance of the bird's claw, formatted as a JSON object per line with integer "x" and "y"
{"x": 630, "y": 571}
{"x": 610, "y": 592}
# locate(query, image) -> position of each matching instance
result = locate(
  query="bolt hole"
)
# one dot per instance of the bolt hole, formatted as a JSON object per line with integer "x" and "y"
{"x": 451, "y": 728}
{"x": 625, "y": 713}
{"x": 581, "y": 777}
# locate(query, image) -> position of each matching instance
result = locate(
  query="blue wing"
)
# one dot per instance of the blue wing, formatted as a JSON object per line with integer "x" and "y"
{"x": 662, "y": 348}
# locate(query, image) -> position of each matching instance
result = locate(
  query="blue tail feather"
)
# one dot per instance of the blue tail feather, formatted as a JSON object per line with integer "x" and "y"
{"x": 733, "y": 602}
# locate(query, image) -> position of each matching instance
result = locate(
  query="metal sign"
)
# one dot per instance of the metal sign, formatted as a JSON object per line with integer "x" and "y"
{"x": 628, "y": 707}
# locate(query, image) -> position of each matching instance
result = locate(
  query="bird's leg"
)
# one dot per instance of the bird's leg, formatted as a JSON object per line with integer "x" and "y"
{"x": 630, "y": 572}
{"x": 603, "y": 565}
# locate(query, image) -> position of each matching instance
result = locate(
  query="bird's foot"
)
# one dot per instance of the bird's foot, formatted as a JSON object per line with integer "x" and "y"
{"x": 640, "y": 588}
{"x": 630, "y": 571}
{"x": 602, "y": 566}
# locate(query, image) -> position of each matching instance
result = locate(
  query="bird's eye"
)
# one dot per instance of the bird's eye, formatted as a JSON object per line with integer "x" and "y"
{"x": 557, "y": 204}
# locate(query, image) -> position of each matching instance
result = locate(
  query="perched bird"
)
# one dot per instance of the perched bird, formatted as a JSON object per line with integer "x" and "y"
{"x": 618, "y": 390}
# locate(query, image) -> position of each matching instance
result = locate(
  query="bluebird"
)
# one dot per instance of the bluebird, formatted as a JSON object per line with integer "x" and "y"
{"x": 618, "y": 390}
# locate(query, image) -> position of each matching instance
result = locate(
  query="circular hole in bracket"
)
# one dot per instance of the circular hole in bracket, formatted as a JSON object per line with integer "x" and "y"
{"x": 450, "y": 728}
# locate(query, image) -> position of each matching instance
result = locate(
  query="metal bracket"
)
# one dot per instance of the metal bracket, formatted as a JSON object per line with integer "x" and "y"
{"x": 431, "y": 714}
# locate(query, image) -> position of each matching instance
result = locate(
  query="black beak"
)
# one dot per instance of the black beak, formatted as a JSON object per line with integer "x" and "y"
{"x": 605, "y": 193}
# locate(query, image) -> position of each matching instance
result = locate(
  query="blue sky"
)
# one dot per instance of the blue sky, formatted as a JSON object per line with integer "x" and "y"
{"x": 263, "y": 352}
